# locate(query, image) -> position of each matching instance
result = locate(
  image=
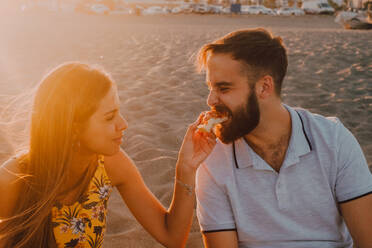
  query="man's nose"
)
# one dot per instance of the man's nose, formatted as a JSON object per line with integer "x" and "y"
{"x": 212, "y": 98}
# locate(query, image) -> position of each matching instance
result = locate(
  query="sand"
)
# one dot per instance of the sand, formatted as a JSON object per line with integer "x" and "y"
{"x": 151, "y": 59}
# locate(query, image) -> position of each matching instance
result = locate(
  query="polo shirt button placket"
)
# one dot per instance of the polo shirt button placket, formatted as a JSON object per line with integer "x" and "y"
{"x": 280, "y": 195}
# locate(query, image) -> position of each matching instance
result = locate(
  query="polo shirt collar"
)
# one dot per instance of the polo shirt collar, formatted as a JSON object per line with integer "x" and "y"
{"x": 298, "y": 146}
{"x": 244, "y": 156}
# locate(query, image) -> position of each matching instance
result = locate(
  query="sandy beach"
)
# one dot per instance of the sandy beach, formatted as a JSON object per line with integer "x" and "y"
{"x": 151, "y": 59}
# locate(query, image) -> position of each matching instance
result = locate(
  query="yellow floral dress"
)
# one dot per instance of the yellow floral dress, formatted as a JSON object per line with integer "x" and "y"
{"x": 83, "y": 224}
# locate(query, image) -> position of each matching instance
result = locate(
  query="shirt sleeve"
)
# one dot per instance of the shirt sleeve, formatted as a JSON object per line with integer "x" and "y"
{"x": 354, "y": 179}
{"x": 213, "y": 206}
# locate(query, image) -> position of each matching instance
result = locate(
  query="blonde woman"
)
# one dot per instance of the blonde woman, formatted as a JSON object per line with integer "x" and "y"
{"x": 56, "y": 194}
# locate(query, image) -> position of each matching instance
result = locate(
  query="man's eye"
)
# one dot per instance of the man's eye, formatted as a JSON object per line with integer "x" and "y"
{"x": 224, "y": 89}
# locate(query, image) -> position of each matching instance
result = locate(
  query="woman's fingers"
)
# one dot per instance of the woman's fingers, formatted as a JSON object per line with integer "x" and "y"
{"x": 211, "y": 140}
{"x": 200, "y": 118}
{"x": 207, "y": 134}
{"x": 205, "y": 139}
{"x": 196, "y": 134}
{"x": 193, "y": 126}
{"x": 208, "y": 114}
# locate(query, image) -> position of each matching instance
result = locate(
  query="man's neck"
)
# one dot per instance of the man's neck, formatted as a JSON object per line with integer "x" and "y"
{"x": 270, "y": 139}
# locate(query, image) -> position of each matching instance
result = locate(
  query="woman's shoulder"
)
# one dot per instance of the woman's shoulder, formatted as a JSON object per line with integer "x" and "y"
{"x": 118, "y": 167}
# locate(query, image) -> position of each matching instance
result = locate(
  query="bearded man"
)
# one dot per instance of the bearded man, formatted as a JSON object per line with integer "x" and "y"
{"x": 279, "y": 176}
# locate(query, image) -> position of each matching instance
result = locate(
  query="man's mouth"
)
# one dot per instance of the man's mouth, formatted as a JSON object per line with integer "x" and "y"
{"x": 226, "y": 122}
{"x": 221, "y": 112}
{"x": 224, "y": 115}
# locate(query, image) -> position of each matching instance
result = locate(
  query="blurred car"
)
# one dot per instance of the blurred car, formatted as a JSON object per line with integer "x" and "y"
{"x": 167, "y": 10}
{"x": 226, "y": 10}
{"x": 268, "y": 11}
{"x": 256, "y": 10}
{"x": 215, "y": 9}
{"x": 176, "y": 10}
{"x": 122, "y": 11}
{"x": 200, "y": 8}
{"x": 317, "y": 7}
{"x": 154, "y": 10}
{"x": 99, "y": 9}
{"x": 248, "y": 9}
{"x": 186, "y": 8}
{"x": 287, "y": 11}
{"x": 355, "y": 20}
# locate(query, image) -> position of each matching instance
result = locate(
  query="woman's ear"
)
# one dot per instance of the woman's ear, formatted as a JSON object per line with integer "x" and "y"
{"x": 76, "y": 136}
{"x": 75, "y": 130}
{"x": 265, "y": 87}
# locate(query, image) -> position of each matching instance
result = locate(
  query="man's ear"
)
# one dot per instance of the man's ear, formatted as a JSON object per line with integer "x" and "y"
{"x": 265, "y": 87}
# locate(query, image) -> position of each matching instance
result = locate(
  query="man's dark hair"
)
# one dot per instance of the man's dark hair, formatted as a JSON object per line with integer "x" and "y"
{"x": 257, "y": 48}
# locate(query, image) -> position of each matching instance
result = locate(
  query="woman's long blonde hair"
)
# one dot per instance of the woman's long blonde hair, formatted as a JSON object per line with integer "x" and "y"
{"x": 68, "y": 95}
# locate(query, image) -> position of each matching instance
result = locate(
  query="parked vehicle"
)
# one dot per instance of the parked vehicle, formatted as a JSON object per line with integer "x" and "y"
{"x": 215, "y": 9}
{"x": 92, "y": 8}
{"x": 317, "y": 7}
{"x": 200, "y": 8}
{"x": 167, "y": 10}
{"x": 226, "y": 10}
{"x": 154, "y": 10}
{"x": 122, "y": 11}
{"x": 176, "y": 10}
{"x": 186, "y": 8}
{"x": 355, "y": 20}
{"x": 100, "y": 9}
{"x": 250, "y": 9}
{"x": 256, "y": 10}
{"x": 268, "y": 11}
{"x": 287, "y": 11}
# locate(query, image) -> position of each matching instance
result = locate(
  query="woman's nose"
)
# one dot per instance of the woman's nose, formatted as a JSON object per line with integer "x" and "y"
{"x": 123, "y": 124}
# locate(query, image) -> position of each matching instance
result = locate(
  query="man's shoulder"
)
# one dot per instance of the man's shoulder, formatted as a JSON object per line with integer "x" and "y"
{"x": 317, "y": 122}
{"x": 327, "y": 129}
{"x": 317, "y": 119}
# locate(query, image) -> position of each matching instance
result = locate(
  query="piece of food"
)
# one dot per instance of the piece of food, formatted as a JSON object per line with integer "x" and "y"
{"x": 210, "y": 121}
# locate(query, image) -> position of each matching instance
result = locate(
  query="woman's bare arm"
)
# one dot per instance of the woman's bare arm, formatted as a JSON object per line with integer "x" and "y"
{"x": 146, "y": 208}
{"x": 170, "y": 227}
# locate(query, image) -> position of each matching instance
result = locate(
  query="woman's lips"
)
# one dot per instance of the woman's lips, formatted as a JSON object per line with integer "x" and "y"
{"x": 119, "y": 140}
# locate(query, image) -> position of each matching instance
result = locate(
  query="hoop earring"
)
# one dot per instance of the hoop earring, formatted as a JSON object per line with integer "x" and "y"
{"x": 76, "y": 144}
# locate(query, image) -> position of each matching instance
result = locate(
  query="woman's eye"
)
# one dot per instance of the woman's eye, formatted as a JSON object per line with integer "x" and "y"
{"x": 224, "y": 89}
{"x": 110, "y": 118}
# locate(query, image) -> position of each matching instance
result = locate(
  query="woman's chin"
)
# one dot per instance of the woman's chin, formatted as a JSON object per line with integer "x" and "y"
{"x": 110, "y": 152}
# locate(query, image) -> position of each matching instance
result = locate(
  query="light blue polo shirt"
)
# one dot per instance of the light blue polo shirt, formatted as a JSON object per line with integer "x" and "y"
{"x": 297, "y": 207}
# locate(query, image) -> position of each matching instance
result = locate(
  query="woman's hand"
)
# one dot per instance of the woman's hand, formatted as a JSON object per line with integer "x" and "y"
{"x": 196, "y": 145}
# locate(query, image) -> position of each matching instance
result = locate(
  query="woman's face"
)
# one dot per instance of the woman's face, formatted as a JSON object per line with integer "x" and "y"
{"x": 103, "y": 132}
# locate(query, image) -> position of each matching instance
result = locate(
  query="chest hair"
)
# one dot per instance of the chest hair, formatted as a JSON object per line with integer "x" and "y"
{"x": 274, "y": 153}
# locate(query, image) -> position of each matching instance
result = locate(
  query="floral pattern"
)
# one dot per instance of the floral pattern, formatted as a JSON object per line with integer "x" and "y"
{"x": 82, "y": 224}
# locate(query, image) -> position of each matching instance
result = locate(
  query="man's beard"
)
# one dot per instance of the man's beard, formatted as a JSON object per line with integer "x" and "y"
{"x": 241, "y": 122}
